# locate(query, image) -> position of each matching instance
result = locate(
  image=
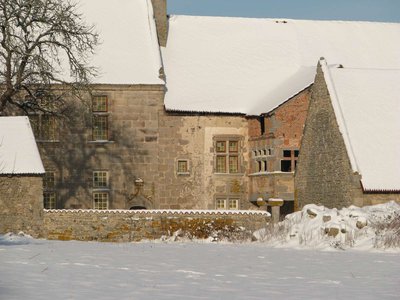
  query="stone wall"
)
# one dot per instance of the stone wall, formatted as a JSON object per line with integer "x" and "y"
{"x": 191, "y": 138}
{"x": 324, "y": 174}
{"x": 21, "y": 204}
{"x": 131, "y": 151}
{"x": 160, "y": 15}
{"x": 126, "y": 226}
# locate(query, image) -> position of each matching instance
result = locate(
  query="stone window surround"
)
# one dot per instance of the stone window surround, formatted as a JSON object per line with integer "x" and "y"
{"x": 227, "y": 201}
{"x": 178, "y": 161}
{"x": 227, "y": 138}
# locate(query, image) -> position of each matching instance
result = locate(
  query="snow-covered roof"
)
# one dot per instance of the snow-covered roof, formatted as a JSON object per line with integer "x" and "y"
{"x": 367, "y": 108}
{"x": 18, "y": 150}
{"x": 129, "y": 51}
{"x": 251, "y": 66}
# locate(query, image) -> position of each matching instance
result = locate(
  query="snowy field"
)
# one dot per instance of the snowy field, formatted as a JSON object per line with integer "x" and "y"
{"x": 40, "y": 269}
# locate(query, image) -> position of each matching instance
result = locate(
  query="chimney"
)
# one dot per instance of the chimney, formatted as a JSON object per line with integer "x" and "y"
{"x": 160, "y": 15}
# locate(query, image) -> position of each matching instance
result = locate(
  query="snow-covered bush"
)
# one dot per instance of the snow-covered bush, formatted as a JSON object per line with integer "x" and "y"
{"x": 321, "y": 227}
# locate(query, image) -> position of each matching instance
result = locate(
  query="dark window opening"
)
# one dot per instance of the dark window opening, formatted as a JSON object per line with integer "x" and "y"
{"x": 262, "y": 124}
{"x": 137, "y": 207}
{"x": 286, "y": 153}
{"x": 286, "y": 165}
{"x": 296, "y": 153}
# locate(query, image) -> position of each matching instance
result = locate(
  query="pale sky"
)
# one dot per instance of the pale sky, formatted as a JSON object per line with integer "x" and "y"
{"x": 358, "y": 10}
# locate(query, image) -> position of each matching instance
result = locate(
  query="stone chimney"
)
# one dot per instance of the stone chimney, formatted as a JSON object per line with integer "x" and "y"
{"x": 160, "y": 15}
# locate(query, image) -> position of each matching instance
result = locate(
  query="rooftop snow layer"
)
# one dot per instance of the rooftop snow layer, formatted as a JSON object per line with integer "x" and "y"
{"x": 128, "y": 52}
{"x": 18, "y": 151}
{"x": 367, "y": 108}
{"x": 251, "y": 66}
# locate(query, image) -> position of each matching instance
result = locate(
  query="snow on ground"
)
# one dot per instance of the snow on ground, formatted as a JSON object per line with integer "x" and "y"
{"x": 39, "y": 269}
{"x": 375, "y": 227}
{"x": 269, "y": 269}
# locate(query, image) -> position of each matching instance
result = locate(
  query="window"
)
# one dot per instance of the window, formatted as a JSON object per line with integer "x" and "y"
{"x": 100, "y": 189}
{"x": 100, "y": 103}
{"x": 100, "y": 179}
{"x": 227, "y": 203}
{"x": 100, "y": 200}
{"x": 183, "y": 167}
{"x": 100, "y": 118}
{"x": 227, "y": 156}
{"x": 289, "y": 163}
{"x": 49, "y": 193}
{"x": 49, "y": 200}
{"x": 49, "y": 181}
{"x": 45, "y": 127}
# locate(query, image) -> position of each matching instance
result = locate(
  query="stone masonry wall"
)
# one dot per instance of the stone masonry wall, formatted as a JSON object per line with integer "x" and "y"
{"x": 131, "y": 151}
{"x": 191, "y": 138}
{"x": 324, "y": 174}
{"x": 126, "y": 226}
{"x": 21, "y": 204}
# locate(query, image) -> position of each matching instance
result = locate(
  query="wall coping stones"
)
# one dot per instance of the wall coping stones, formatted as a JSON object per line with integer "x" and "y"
{"x": 160, "y": 211}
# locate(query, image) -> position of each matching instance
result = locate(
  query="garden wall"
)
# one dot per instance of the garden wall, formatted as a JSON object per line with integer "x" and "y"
{"x": 129, "y": 225}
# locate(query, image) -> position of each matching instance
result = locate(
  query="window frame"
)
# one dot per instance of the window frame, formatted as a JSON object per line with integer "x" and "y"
{"x": 292, "y": 159}
{"x": 100, "y": 118}
{"x": 95, "y": 184}
{"x": 186, "y": 171}
{"x": 49, "y": 200}
{"x": 226, "y": 201}
{"x": 96, "y": 205}
{"x": 227, "y": 155}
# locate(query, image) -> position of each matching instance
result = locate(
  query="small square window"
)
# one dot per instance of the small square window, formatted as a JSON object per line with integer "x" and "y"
{"x": 233, "y": 146}
{"x": 100, "y": 200}
{"x": 183, "y": 167}
{"x": 233, "y": 203}
{"x": 100, "y": 179}
{"x": 296, "y": 153}
{"x": 221, "y": 146}
{"x": 220, "y": 204}
{"x": 287, "y": 153}
{"x": 99, "y": 104}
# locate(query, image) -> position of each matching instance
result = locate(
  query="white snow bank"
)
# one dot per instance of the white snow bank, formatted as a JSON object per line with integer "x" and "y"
{"x": 364, "y": 228}
{"x": 15, "y": 239}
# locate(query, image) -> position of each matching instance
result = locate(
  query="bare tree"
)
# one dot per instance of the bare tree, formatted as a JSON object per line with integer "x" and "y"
{"x": 43, "y": 44}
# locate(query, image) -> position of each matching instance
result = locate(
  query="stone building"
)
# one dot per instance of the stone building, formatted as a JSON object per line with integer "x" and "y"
{"x": 21, "y": 172}
{"x": 186, "y": 116}
{"x": 350, "y": 151}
